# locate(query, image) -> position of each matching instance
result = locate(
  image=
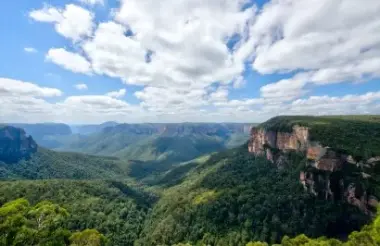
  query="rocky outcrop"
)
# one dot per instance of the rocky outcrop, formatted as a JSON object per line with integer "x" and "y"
{"x": 263, "y": 142}
{"x": 261, "y": 139}
{"x": 322, "y": 175}
{"x": 15, "y": 145}
{"x": 359, "y": 201}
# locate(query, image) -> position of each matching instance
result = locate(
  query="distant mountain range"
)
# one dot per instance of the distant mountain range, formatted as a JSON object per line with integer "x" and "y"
{"x": 160, "y": 142}
{"x": 175, "y": 142}
{"x": 89, "y": 129}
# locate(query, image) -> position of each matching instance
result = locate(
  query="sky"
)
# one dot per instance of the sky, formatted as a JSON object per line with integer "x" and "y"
{"x": 91, "y": 61}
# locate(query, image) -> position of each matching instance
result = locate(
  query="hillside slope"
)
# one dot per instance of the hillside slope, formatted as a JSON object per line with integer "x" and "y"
{"x": 48, "y": 164}
{"x": 22, "y": 158}
{"x": 285, "y": 181}
{"x": 237, "y": 196}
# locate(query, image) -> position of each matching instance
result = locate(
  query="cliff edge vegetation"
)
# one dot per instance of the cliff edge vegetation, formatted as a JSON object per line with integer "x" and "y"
{"x": 358, "y": 135}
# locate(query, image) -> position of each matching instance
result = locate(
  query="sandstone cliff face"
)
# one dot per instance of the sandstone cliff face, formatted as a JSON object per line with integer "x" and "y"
{"x": 326, "y": 182}
{"x": 264, "y": 142}
{"x": 15, "y": 145}
{"x": 260, "y": 138}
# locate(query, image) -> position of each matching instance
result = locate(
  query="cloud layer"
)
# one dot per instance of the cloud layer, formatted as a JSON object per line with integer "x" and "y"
{"x": 188, "y": 56}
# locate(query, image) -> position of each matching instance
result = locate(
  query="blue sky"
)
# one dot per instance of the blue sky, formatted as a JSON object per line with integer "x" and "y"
{"x": 210, "y": 60}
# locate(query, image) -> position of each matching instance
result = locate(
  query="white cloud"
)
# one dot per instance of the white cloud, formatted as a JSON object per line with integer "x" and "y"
{"x": 349, "y": 104}
{"x": 185, "y": 47}
{"x": 68, "y": 60}
{"x": 20, "y": 100}
{"x": 313, "y": 34}
{"x": 239, "y": 82}
{"x": 81, "y": 86}
{"x": 180, "y": 52}
{"x": 92, "y": 2}
{"x": 117, "y": 94}
{"x": 30, "y": 50}
{"x": 105, "y": 102}
{"x": 241, "y": 103}
{"x": 47, "y": 14}
{"x": 11, "y": 87}
{"x": 220, "y": 95}
{"x": 333, "y": 41}
{"x": 73, "y": 22}
{"x": 286, "y": 89}
{"x": 171, "y": 99}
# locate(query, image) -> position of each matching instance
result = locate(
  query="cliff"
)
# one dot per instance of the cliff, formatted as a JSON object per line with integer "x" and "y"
{"x": 329, "y": 173}
{"x": 15, "y": 145}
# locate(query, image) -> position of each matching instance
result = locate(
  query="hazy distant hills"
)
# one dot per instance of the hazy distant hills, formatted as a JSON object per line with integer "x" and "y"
{"x": 22, "y": 158}
{"x": 161, "y": 142}
{"x": 175, "y": 142}
{"x": 89, "y": 129}
{"x": 55, "y": 135}
{"x": 45, "y": 134}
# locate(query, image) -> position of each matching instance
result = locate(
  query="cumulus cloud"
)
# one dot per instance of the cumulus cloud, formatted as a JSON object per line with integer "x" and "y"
{"x": 117, "y": 94}
{"x": 186, "y": 47}
{"x": 73, "y": 22}
{"x": 188, "y": 55}
{"x": 81, "y": 86}
{"x": 171, "y": 99}
{"x": 239, "y": 82}
{"x": 30, "y": 50}
{"x": 92, "y": 2}
{"x": 333, "y": 41}
{"x": 68, "y": 60}
{"x": 219, "y": 95}
{"x": 104, "y": 102}
{"x": 12, "y": 87}
{"x": 292, "y": 35}
{"x": 20, "y": 100}
{"x": 285, "y": 89}
{"x": 349, "y": 104}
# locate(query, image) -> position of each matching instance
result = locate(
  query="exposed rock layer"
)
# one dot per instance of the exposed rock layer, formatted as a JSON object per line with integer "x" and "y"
{"x": 266, "y": 142}
{"x": 327, "y": 181}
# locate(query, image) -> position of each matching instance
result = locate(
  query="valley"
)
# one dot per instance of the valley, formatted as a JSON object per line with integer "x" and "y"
{"x": 292, "y": 180}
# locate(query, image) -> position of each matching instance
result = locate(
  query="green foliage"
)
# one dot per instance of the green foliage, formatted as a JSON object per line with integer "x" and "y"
{"x": 88, "y": 237}
{"x": 367, "y": 236}
{"x": 228, "y": 198}
{"x": 256, "y": 244}
{"x": 355, "y": 135}
{"x": 43, "y": 224}
{"x": 205, "y": 197}
{"x": 240, "y": 198}
{"x": 113, "y": 208}
{"x": 47, "y": 164}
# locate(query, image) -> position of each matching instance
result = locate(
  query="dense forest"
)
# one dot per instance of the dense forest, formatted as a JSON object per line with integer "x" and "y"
{"x": 46, "y": 164}
{"x": 113, "y": 208}
{"x": 233, "y": 198}
{"x": 42, "y": 224}
{"x": 228, "y": 198}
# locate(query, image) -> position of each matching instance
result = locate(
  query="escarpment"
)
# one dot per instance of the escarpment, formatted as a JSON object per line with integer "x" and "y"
{"x": 329, "y": 173}
{"x": 15, "y": 144}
